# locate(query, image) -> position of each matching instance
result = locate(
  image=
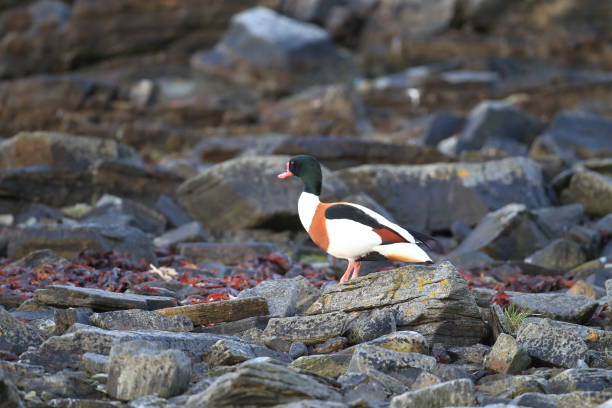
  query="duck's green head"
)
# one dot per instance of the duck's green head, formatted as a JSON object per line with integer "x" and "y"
{"x": 308, "y": 169}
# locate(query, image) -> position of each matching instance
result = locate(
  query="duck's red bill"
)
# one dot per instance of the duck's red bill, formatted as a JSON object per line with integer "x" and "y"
{"x": 285, "y": 175}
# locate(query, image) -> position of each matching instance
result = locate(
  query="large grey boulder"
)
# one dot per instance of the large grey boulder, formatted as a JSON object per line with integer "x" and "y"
{"x": 500, "y": 125}
{"x": 9, "y": 394}
{"x": 560, "y": 254}
{"x": 308, "y": 329}
{"x": 450, "y": 393}
{"x": 16, "y": 336}
{"x": 508, "y": 233}
{"x": 432, "y": 300}
{"x": 557, "y": 220}
{"x": 263, "y": 382}
{"x": 68, "y": 240}
{"x": 245, "y": 193}
{"x": 591, "y": 189}
{"x": 229, "y": 352}
{"x": 113, "y": 211}
{"x": 60, "y": 149}
{"x": 273, "y": 53}
{"x": 433, "y": 196}
{"x": 139, "y": 368}
{"x": 285, "y": 297}
{"x": 550, "y": 345}
{"x": 580, "y": 136}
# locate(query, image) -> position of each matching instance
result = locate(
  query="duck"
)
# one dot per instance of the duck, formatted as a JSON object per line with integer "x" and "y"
{"x": 351, "y": 231}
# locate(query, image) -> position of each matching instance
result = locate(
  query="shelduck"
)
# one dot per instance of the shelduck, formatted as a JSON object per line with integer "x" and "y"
{"x": 350, "y": 231}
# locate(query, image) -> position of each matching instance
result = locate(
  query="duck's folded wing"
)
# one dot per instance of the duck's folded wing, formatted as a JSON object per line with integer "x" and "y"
{"x": 354, "y": 213}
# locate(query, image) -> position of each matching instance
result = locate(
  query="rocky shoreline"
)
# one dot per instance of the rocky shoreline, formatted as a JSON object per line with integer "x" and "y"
{"x": 150, "y": 258}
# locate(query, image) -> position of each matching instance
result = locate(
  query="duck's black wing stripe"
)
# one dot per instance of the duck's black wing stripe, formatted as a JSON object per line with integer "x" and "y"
{"x": 348, "y": 212}
{"x": 423, "y": 238}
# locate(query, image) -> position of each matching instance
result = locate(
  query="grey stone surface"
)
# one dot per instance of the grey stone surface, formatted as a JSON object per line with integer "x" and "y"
{"x": 509, "y": 386}
{"x": 403, "y": 341}
{"x": 450, "y": 393}
{"x": 367, "y": 358}
{"x": 228, "y": 352}
{"x": 66, "y": 351}
{"x": 98, "y": 299}
{"x": 136, "y": 319}
{"x": 273, "y": 53}
{"x": 587, "y": 399}
{"x": 308, "y": 329}
{"x": 64, "y": 318}
{"x": 113, "y": 211}
{"x": 557, "y": 220}
{"x": 558, "y": 306}
{"x": 449, "y": 192}
{"x": 506, "y": 356}
{"x": 285, "y": 297}
{"x": 69, "y": 240}
{"x": 470, "y": 354}
{"x": 264, "y": 382}
{"x": 38, "y": 258}
{"x": 139, "y": 368}
{"x": 9, "y": 394}
{"x": 441, "y": 126}
{"x": 433, "y": 300}
{"x": 553, "y": 346}
{"x": 580, "y": 136}
{"x": 93, "y": 363}
{"x": 330, "y": 365}
{"x": 559, "y": 254}
{"x": 297, "y": 349}
{"x": 586, "y": 379}
{"x": 175, "y": 215}
{"x": 245, "y": 193}
{"x": 591, "y": 189}
{"x": 60, "y": 149}
{"x": 508, "y": 233}
{"x": 370, "y": 325}
{"x": 496, "y": 122}
{"x": 16, "y": 336}
{"x": 189, "y": 232}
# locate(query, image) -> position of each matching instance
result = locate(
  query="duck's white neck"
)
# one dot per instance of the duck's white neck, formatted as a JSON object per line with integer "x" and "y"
{"x": 307, "y": 205}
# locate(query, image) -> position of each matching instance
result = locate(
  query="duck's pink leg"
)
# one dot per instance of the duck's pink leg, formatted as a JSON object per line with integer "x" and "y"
{"x": 356, "y": 270}
{"x": 347, "y": 273}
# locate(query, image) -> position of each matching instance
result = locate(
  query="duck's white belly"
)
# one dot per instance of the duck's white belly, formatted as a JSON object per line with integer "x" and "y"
{"x": 349, "y": 239}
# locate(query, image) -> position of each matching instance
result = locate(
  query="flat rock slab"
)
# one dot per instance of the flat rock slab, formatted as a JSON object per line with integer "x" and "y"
{"x": 582, "y": 379}
{"x": 228, "y": 253}
{"x": 66, "y": 351}
{"x": 369, "y": 358}
{"x": 329, "y": 365}
{"x": 285, "y": 297}
{"x": 308, "y": 329}
{"x": 263, "y": 382}
{"x": 506, "y": 356}
{"x": 450, "y": 393}
{"x": 220, "y": 311}
{"x": 98, "y": 299}
{"x": 229, "y": 352}
{"x": 16, "y": 336}
{"x": 433, "y": 300}
{"x": 558, "y": 306}
{"x": 550, "y": 345}
{"x": 135, "y": 319}
{"x": 449, "y": 192}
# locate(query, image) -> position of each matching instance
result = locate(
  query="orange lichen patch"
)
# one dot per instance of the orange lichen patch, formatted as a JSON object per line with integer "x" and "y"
{"x": 318, "y": 227}
{"x": 592, "y": 335}
{"x": 463, "y": 173}
{"x": 409, "y": 311}
{"x": 443, "y": 284}
{"x": 433, "y": 293}
{"x": 421, "y": 283}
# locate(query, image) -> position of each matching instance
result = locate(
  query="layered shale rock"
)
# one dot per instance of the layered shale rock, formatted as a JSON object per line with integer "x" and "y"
{"x": 432, "y": 300}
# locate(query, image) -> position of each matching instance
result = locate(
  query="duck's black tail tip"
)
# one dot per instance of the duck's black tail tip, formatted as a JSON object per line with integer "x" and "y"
{"x": 429, "y": 262}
